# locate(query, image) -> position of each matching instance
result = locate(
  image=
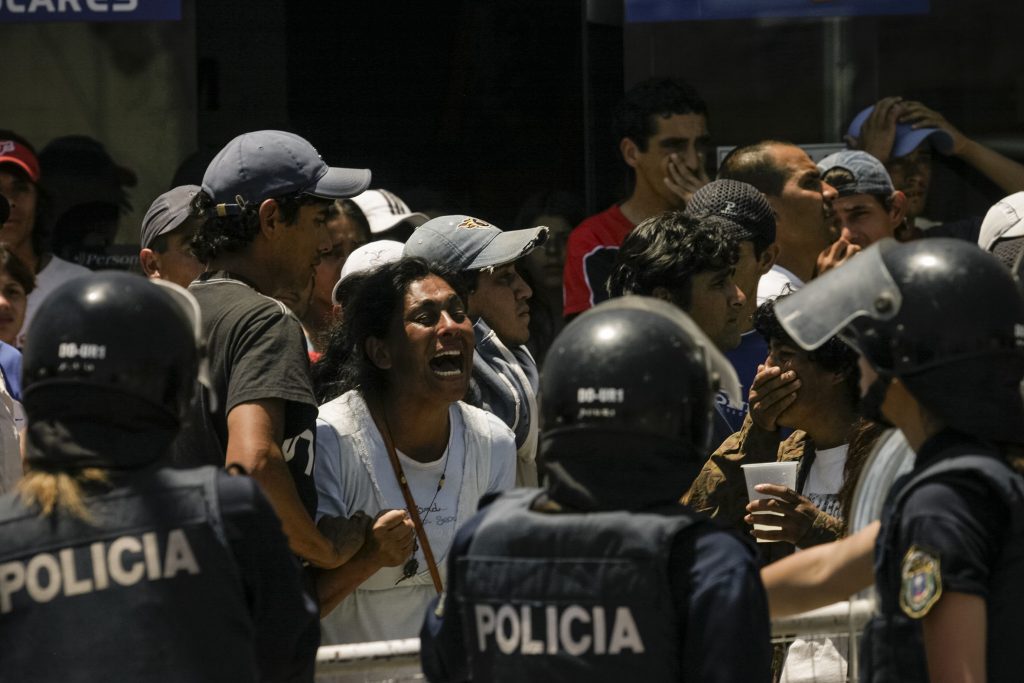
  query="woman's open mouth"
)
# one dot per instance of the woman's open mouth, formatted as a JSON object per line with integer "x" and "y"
{"x": 447, "y": 363}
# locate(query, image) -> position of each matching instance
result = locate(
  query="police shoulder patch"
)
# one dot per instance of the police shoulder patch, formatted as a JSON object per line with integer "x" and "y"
{"x": 921, "y": 582}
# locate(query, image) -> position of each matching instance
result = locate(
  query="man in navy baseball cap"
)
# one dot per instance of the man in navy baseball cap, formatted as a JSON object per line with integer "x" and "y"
{"x": 264, "y": 203}
{"x": 904, "y": 135}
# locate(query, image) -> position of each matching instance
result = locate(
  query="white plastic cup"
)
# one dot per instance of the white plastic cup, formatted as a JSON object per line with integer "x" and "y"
{"x": 781, "y": 473}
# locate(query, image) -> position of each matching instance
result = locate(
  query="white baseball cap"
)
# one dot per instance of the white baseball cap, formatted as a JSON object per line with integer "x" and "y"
{"x": 366, "y": 258}
{"x": 384, "y": 210}
{"x": 1004, "y": 220}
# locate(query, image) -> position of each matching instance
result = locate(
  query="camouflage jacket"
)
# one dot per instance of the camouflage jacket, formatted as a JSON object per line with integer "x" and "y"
{"x": 721, "y": 491}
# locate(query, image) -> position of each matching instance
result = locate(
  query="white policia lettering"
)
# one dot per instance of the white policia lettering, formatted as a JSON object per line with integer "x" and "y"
{"x": 125, "y": 561}
{"x": 513, "y": 630}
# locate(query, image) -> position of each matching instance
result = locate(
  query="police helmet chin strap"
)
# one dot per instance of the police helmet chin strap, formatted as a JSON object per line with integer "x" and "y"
{"x": 871, "y": 402}
{"x": 190, "y": 307}
{"x": 206, "y": 382}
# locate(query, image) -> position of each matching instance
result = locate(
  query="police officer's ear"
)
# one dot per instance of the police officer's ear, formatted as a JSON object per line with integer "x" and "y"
{"x": 377, "y": 351}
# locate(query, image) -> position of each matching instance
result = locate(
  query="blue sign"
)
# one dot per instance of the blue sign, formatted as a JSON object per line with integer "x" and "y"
{"x": 36, "y": 11}
{"x": 695, "y": 10}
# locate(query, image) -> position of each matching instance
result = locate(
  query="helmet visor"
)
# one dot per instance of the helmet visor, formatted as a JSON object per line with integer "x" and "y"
{"x": 719, "y": 369}
{"x": 862, "y": 287}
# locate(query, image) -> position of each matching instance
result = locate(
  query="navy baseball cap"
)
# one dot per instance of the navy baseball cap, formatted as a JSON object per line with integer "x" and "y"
{"x": 907, "y": 137}
{"x": 167, "y": 213}
{"x": 742, "y": 205}
{"x": 272, "y": 163}
{"x": 467, "y": 243}
{"x": 864, "y": 174}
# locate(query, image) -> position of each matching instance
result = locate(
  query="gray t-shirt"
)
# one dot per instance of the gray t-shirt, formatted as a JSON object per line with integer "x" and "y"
{"x": 257, "y": 351}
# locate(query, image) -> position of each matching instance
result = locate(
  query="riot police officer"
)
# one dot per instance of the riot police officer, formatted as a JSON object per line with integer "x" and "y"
{"x": 603, "y": 575}
{"x": 939, "y": 325}
{"x": 112, "y": 565}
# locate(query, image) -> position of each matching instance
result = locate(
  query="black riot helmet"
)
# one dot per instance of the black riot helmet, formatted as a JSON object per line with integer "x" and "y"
{"x": 629, "y": 382}
{"x": 942, "y": 315}
{"x": 113, "y": 347}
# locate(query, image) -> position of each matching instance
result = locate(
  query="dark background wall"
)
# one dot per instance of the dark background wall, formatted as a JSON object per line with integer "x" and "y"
{"x": 770, "y": 78}
{"x": 454, "y": 105}
{"x": 474, "y": 105}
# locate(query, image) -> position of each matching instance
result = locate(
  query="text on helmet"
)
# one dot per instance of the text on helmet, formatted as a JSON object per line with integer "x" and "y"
{"x": 600, "y": 395}
{"x": 86, "y": 351}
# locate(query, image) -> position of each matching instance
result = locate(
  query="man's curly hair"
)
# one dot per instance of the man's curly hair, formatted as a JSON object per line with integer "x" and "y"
{"x": 218, "y": 235}
{"x": 667, "y": 250}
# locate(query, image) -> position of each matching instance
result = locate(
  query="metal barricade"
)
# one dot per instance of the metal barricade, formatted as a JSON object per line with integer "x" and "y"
{"x": 386, "y": 660}
{"x": 399, "y": 660}
{"x": 825, "y": 642}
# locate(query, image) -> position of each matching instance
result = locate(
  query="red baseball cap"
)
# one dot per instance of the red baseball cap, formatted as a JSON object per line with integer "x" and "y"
{"x": 13, "y": 152}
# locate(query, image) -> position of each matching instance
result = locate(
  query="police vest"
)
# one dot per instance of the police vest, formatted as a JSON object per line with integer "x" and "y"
{"x": 893, "y": 647}
{"x": 147, "y": 590}
{"x": 571, "y": 596}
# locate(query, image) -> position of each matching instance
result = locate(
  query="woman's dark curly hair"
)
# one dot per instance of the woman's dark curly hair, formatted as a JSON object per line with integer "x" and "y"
{"x": 370, "y": 306}
{"x": 217, "y": 235}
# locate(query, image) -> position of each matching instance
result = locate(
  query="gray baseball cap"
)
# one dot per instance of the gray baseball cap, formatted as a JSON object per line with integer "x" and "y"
{"x": 466, "y": 243}
{"x": 167, "y": 213}
{"x": 272, "y": 163}
{"x": 864, "y": 173}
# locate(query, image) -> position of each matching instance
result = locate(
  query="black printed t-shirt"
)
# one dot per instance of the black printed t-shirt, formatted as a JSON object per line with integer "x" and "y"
{"x": 257, "y": 351}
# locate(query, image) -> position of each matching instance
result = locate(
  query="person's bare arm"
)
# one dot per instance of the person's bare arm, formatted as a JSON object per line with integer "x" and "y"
{"x": 821, "y": 575}
{"x": 255, "y": 433}
{"x": 955, "y": 633}
{"x": 1003, "y": 171}
{"x": 389, "y": 543}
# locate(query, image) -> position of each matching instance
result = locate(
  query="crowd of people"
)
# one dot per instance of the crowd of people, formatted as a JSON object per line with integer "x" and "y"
{"x": 327, "y": 418}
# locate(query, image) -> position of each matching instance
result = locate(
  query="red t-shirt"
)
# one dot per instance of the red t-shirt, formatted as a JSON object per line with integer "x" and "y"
{"x": 590, "y": 257}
